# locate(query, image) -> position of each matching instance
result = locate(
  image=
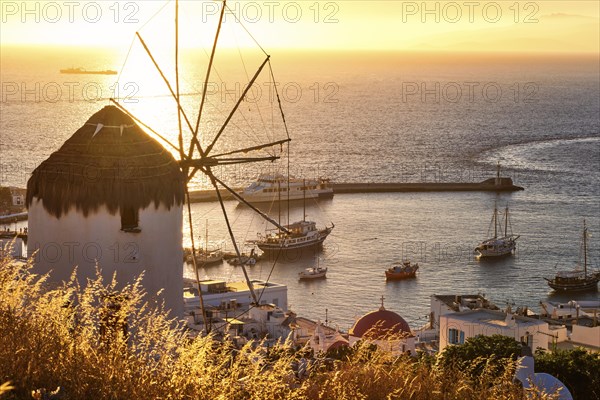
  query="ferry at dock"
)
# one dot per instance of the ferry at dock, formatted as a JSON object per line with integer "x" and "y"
{"x": 274, "y": 187}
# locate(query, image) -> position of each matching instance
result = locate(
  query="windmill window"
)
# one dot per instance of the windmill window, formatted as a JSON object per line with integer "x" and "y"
{"x": 130, "y": 220}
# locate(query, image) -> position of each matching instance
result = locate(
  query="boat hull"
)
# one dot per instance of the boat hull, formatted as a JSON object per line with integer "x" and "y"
{"x": 580, "y": 286}
{"x": 402, "y": 271}
{"x": 312, "y": 274}
{"x": 492, "y": 254}
{"x": 294, "y": 196}
{"x": 315, "y": 276}
{"x": 201, "y": 261}
{"x": 397, "y": 276}
{"x": 499, "y": 249}
{"x": 276, "y": 247}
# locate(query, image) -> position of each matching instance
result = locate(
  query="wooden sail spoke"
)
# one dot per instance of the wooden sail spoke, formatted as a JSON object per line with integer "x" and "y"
{"x": 213, "y": 161}
{"x": 204, "y": 162}
{"x": 248, "y": 87}
{"x": 204, "y": 89}
{"x": 254, "y": 148}
{"x": 158, "y": 135}
{"x": 166, "y": 82}
{"x": 214, "y": 180}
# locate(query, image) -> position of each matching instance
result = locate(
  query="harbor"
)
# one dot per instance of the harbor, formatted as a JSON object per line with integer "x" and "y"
{"x": 250, "y": 210}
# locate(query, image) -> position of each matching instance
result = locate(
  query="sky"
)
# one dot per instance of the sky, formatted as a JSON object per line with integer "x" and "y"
{"x": 503, "y": 26}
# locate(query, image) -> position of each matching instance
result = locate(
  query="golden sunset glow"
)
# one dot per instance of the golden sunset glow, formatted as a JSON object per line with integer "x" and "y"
{"x": 549, "y": 26}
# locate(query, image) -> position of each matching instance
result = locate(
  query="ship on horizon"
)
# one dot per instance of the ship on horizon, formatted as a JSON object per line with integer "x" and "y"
{"x": 84, "y": 71}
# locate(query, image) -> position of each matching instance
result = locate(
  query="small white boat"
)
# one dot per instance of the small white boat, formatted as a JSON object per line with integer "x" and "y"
{"x": 498, "y": 246}
{"x": 313, "y": 273}
{"x": 270, "y": 188}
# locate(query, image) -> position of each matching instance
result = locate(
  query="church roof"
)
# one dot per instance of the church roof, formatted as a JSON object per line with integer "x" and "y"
{"x": 109, "y": 161}
{"x": 380, "y": 324}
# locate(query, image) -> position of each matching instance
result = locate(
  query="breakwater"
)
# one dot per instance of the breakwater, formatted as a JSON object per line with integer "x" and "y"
{"x": 489, "y": 185}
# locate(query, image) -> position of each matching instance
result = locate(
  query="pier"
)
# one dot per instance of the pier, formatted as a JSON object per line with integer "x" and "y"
{"x": 12, "y": 218}
{"x": 489, "y": 185}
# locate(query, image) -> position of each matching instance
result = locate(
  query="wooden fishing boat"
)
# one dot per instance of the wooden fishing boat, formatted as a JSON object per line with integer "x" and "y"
{"x": 401, "y": 270}
{"x": 579, "y": 279}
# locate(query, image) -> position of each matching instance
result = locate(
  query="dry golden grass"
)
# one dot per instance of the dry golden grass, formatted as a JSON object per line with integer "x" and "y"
{"x": 59, "y": 337}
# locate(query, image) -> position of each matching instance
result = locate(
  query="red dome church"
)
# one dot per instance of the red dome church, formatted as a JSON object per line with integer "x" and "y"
{"x": 385, "y": 328}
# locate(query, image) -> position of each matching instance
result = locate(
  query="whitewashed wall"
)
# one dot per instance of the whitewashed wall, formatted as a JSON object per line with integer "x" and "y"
{"x": 76, "y": 240}
{"x": 472, "y": 324}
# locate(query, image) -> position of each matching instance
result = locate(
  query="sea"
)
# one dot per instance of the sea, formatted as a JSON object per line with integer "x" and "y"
{"x": 359, "y": 117}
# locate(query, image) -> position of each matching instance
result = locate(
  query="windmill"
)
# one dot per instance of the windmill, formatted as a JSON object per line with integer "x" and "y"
{"x": 193, "y": 157}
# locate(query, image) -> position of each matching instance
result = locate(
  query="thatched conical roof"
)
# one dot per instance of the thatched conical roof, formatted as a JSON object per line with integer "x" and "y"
{"x": 109, "y": 161}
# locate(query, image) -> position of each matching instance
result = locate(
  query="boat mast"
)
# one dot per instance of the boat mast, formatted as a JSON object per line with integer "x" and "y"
{"x": 506, "y": 222}
{"x": 495, "y": 221}
{"x": 498, "y": 174}
{"x": 584, "y": 249}
{"x": 288, "y": 182}
{"x": 304, "y": 200}
{"x": 279, "y": 201}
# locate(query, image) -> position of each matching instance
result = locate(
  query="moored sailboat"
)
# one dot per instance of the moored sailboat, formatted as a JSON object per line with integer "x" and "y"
{"x": 299, "y": 235}
{"x": 498, "y": 246}
{"x": 578, "y": 279}
{"x": 204, "y": 256}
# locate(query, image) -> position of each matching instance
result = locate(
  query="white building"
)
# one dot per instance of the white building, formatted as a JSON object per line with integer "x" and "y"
{"x": 229, "y": 310}
{"x": 586, "y": 332}
{"x": 456, "y": 328}
{"x": 233, "y": 296}
{"x": 581, "y": 323}
{"x": 325, "y": 339}
{"x": 111, "y": 195}
{"x": 18, "y": 196}
{"x": 448, "y": 304}
{"x": 268, "y": 320}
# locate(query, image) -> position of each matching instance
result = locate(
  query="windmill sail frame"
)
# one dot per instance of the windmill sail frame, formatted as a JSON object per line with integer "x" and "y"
{"x": 191, "y": 165}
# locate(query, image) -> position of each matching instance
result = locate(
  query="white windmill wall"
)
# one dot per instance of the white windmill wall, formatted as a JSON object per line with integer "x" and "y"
{"x": 78, "y": 240}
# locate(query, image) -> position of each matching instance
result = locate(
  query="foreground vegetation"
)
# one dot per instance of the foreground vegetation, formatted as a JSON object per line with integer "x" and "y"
{"x": 100, "y": 343}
